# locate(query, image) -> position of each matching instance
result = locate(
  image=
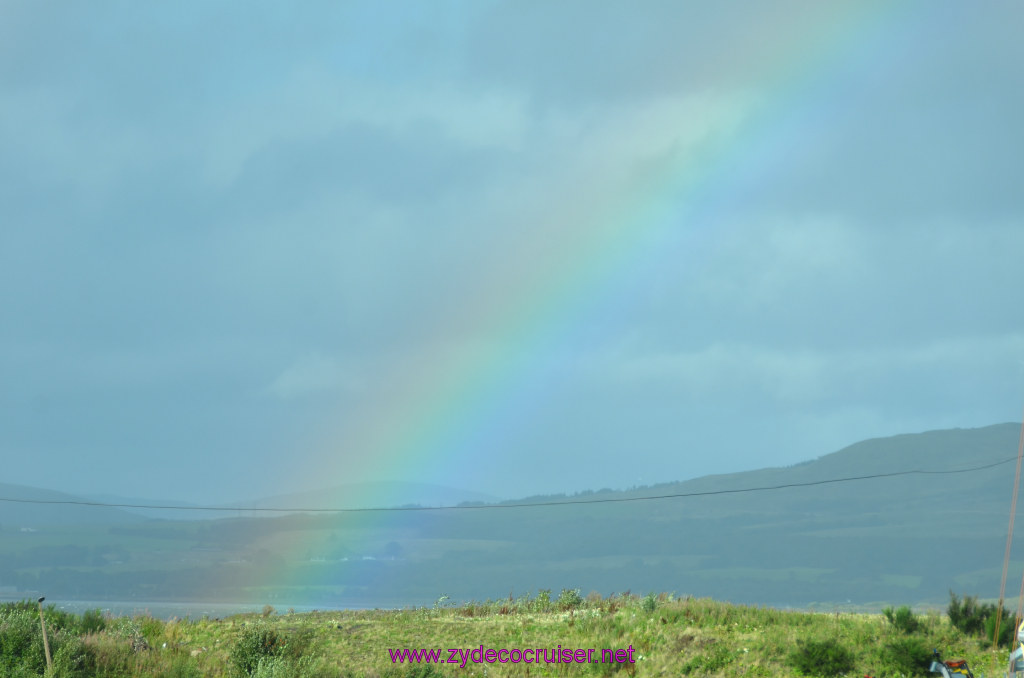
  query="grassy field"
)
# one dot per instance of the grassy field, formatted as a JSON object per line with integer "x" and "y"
{"x": 668, "y": 637}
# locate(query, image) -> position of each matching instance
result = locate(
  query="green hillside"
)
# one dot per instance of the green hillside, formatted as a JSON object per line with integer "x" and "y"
{"x": 888, "y": 540}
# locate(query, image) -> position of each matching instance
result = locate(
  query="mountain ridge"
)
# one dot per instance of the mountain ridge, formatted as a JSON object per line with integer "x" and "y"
{"x": 907, "y": 538}
{"x": 26, "y": 506}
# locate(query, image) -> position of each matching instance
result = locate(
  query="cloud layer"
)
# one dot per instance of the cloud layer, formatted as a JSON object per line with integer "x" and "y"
{"x": 647, "y": 242}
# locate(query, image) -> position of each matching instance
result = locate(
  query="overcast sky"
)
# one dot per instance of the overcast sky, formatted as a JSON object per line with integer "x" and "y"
{"x": 516, "y": 247}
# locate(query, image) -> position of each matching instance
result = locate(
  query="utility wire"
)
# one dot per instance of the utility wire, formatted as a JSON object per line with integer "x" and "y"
{"x": 507, "y": 505}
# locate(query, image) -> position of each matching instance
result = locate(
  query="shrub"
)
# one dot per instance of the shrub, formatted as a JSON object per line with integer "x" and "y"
{"x": 973, "y": 618}
{"x": 1006, "y": 631}
{"x": 569, "y": 599}
{"x": 299, "y": 644}
{"x": 649, "y": 603}
{"x": 256, "y": 643}
{"x": 909, "y": 656}
{"x": 152, "y": 629}
{"x": 903, "y": 619}
{"x": 21, "y": 640}
{"x": 821, "y": 658}
{"x": 128, "y": 629}
{"x": 72, "y": 657}
{"x": 279, "y": 667}
{"x": 92, "y": 622}
{"x": 21, "y": 644}
{"x": 967, "y": 615}
{"x": 542, "y": 603}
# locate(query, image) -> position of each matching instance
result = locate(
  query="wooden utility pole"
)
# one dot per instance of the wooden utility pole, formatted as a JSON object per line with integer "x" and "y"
{"x": 1009, "y": 540}
{"x": 46, "y": 642}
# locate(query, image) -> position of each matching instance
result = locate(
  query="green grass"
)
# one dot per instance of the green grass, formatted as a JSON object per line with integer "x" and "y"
{"x": 670, "y": 636}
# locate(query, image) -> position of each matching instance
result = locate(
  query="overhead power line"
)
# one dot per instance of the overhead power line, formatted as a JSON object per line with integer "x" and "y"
{"x": 571, "y": 502}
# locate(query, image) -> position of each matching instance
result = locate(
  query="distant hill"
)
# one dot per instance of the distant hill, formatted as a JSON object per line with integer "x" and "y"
{"x": 959, "y": 504}
{"x": 369, "y": 495}
{"x": 132, "y": 504}
{"x": 887, "y": 536}
{"x": 902, "y": 538}
{"x": 22, "y": 507}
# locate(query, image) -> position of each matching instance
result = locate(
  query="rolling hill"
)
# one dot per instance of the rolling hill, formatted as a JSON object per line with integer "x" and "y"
{"x": 21, "y": 507}
{"x": 911, "y": 518}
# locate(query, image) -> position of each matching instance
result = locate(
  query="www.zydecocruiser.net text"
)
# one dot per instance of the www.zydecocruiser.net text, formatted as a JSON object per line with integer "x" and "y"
{"x": 530, "y": 655}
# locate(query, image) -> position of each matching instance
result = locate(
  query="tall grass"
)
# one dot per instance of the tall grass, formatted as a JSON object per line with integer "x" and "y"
{"x": 668, "y": 636}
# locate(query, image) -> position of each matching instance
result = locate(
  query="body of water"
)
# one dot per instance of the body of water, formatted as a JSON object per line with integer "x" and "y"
{"x": 173, "y": 610}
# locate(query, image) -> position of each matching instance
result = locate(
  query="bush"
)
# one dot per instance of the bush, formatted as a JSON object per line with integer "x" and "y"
{"x": 92, "y": 622}
{"x": 569, "y": 599}
{"x": 967, "y": 615}
{"x": 903, "y": 619}
{"x": 299, "y": 644}
{"x": 21, "y": 644}
{"x": 973, "y": 618}
{"x": 21, "y": 640}
{"x": 72, "y": 657}
{"x": 821, "y": 658}
{"x": 283, "y": 667}
{"x": 542, "y": 603}
{"x": 129, "y": 629}
{"x": 256, "y": 643}
{"x": 649, "y": 603}
{"x": 909, "y": 656}
{"x": 151, "y": 628}
{"x": 1006, "y": 631}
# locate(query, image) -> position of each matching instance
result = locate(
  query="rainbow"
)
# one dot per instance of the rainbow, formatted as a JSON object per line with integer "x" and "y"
{"x": 600, "y": 237}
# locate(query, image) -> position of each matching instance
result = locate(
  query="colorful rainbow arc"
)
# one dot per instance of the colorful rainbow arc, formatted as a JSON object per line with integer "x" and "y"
{"x": 595, "y": 246}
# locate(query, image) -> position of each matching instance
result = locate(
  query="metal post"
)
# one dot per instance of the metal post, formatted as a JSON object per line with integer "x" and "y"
{"x": 46, "y": 642}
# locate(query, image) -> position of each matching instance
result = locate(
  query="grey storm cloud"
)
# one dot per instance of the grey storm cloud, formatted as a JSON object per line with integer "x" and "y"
{"x": 230, "y": 234}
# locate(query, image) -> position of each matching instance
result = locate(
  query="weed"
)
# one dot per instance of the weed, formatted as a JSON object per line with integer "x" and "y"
{"x": 180, "y": 667}
{"x": 710, "y": 662}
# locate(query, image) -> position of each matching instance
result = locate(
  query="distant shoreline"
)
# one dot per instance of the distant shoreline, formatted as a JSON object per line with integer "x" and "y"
{"x": 166, "y": 610}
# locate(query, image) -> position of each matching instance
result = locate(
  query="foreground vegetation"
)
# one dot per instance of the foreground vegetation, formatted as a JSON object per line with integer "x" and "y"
{"x": 669, "y": 636}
